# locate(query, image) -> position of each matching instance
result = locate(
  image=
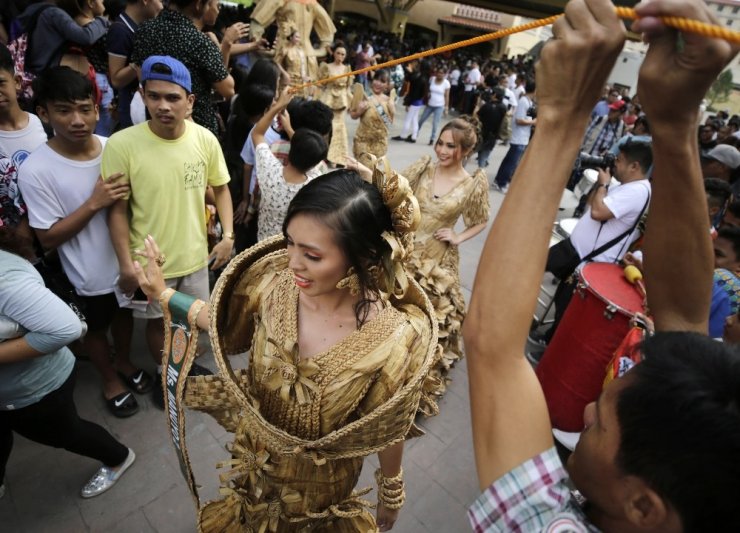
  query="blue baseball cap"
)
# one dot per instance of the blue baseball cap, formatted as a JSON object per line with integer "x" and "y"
{"x": 178, "y": 73}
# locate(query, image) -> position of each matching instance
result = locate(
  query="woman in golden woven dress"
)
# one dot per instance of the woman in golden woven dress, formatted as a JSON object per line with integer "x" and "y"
{"x": 445, "y": 192}
{"x": 341, "y": 340}
{"x": 295, "y": 62}
{"x": 337, "y": 96}
{"x": 376, "y": 113}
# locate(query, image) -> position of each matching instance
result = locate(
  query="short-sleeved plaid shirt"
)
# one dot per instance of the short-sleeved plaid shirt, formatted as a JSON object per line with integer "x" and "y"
{"x": 533, "y": 497}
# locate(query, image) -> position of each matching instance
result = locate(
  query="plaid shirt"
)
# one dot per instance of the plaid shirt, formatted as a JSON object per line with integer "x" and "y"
{"x": 533, "y": 497}
{"x": 601, "y": 135}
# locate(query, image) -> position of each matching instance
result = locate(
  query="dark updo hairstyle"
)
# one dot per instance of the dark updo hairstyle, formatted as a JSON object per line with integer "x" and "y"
{"x": 354, "y": 210}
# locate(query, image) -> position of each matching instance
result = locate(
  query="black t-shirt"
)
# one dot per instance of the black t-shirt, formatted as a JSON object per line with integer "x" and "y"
{"x": 491, "y": 115}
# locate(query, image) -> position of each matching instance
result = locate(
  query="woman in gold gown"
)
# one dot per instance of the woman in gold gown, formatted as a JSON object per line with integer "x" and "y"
{"x": 340, "y": 341}
{"x": 445, "y": 192}
{"x": 336, "y": 95}
{"x": 376, "y": 113}
{"x": 294, "y": 60}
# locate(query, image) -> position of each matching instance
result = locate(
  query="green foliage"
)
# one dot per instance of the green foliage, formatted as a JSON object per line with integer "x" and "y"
{"x": 720, "y": 90}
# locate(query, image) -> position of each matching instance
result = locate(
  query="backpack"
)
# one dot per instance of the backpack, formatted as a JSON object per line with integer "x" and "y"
{"x": 20, "y": 48}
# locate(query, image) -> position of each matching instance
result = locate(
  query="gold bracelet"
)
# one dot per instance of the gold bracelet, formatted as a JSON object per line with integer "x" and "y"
{"x": 391, "y": 498}
{"x": 165, "y": 295}
{"x": 380, "y": 479}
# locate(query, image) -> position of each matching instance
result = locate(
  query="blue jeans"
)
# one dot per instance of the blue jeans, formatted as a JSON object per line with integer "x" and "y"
{"x": 486, "y": 147}
{"x": 509, "y": 164}
{"x": 435, "y": 120}
{"x": 106, "y": 123}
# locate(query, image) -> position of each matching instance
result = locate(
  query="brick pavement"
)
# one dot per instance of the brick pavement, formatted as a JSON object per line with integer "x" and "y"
{"x": 43, "y": 483}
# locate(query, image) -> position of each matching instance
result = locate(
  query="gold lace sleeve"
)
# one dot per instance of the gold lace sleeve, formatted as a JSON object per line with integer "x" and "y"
{"x": 414, "y": 172}
{"x": 405, "y": 351}
{"x": 477, "y": 206}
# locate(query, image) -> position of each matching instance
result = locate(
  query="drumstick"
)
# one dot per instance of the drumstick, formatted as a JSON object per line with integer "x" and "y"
{"x": 634, "y": 276}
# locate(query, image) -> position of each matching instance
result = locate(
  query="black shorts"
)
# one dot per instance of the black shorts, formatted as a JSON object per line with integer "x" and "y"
{"x": 99, "y": 310}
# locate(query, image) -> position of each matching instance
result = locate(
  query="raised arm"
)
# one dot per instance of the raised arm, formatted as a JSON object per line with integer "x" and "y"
{"x": 674, "y": 77}
{"x": 258, "y": 133}
{"x": 509, "y": 414}
{"x": 70, "y": 30}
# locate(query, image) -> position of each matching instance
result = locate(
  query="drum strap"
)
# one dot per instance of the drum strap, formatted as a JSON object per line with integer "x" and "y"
{"x": 618, "y": 238}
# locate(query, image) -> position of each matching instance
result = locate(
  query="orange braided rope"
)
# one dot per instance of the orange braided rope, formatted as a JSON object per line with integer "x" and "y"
{"x": 680, "y": 23}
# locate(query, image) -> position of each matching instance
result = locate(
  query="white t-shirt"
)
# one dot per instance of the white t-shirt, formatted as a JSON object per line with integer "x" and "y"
{"x": 511, "y": 81}
{"x": 625, "y": 201}
{"x": 510, "y": 99}
{"x": 519, "y": 91}
{"x": 437, "y": 92}
{"x": 16, "y": 145}
{"x": 53, "y": 188}
{"x": 472, "y": 79}
{"x": 454, "y": 76}
{"x": 276, "y": 192}
{"x": 520, "y": 132}
{"x": 248, "y": 156}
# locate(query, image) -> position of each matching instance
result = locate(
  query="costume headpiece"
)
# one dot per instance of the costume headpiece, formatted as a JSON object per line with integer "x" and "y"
{"x": 405, "y": 217}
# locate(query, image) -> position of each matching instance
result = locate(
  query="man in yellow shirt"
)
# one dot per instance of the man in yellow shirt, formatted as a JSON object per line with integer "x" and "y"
{"x": 169, "y": 162}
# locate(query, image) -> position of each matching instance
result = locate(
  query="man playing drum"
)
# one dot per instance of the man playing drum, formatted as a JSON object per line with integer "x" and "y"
{"x": 661, "y": 447}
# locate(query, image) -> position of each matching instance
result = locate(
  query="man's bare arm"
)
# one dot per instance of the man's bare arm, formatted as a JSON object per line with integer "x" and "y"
{"x": 119, "y": 233}
{"x": 674, "y": 78}
{"x": 509, "y": 414}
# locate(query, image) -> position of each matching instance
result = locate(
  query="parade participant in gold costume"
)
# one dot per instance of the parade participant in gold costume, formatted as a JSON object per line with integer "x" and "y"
{"x": 376, "y": 113}
{"x": 293, "y": 60}
{"x": 337, "y": 96}
{"x": 445, "y": 191}
{"x": 302, "y": 16}
{"x": 340, "y": 339}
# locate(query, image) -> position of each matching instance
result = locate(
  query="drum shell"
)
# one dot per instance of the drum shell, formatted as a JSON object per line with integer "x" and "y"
{"x": 573, "y": 367}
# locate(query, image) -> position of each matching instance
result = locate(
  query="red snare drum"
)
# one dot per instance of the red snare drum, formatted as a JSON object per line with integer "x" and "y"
{"x": 573, "y": 367}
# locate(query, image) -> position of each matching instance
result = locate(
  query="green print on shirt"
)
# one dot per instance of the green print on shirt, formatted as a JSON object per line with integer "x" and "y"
{"x": 195, "y": 175}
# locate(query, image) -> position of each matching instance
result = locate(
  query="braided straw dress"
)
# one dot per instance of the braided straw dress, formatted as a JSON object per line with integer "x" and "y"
{"x": 435, "y": 264}
{"x": 302, "y": 427}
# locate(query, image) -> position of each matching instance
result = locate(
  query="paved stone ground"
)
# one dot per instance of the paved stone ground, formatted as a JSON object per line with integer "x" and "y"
{"x": 43, "y": 483}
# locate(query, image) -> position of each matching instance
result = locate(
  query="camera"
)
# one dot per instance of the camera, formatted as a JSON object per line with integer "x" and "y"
{"x": 605, "y": 162}
{"x": 532, "y": 111}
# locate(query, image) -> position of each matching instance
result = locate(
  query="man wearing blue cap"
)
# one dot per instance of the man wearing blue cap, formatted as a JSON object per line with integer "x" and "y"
{"x": 169, "y": 162}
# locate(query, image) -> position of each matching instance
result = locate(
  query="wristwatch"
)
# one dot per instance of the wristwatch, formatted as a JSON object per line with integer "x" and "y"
{"x": 229, "y": 235}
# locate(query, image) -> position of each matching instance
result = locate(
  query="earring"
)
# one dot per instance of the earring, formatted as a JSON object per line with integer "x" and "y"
{"x": 351, "y": 281}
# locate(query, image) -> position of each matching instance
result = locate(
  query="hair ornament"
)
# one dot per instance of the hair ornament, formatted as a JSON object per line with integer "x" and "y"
{"x": 405, "y": 217}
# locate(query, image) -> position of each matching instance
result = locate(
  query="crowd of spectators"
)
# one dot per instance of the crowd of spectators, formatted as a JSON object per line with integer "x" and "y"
{"x": 84, "y": 178}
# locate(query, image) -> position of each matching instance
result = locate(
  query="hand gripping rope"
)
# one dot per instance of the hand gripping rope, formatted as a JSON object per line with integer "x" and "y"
{"x": 679, "y": 23}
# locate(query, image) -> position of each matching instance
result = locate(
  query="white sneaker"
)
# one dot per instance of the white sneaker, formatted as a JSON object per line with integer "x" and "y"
{"x": 106, "y": 477}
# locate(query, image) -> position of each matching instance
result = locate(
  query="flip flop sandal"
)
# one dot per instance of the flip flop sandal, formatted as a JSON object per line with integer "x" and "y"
{"x": 140, "y": 382}
{"x": 123, "y": 405}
